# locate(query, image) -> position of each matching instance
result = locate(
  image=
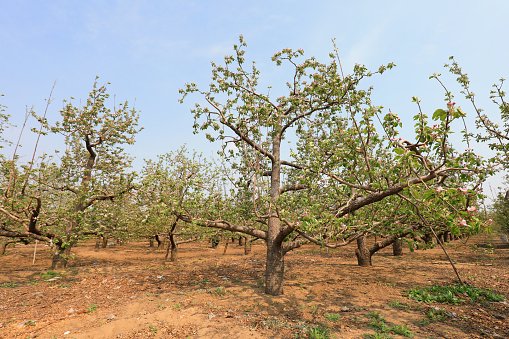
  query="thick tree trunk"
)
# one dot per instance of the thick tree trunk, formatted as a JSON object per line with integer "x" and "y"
{"x": 275, "y": 267}
{"x": 397, "y": 247}
{"x": 105, "y": 241}
{"x": 362, "y": 252}
{"x": 3, "y": 246}
{"x": 160, "y": 242}
{"x": 428, "y": 238}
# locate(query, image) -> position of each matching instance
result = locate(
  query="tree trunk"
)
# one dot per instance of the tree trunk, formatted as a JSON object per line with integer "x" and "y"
{"x": 397, "y": 247}
{"x": 275, "y": 267}
{"x": 160, "y": 243}
{"x": 247, "y": 247}
{"x": 225, "y": 247}
{"x": 105, "y": 241}
{"x": 151, "y": 242}
{"x": 61, "y": 257}
{"x": 241, "y": 240}
{"x": 97, "y": 242}
{"x": 3, "y": 245}
{"x": 362, "y": 252}
{"x": 428, "y": 238}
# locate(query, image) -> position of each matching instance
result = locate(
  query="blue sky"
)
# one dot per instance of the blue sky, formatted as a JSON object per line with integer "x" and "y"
{"x": 147, "y": 50}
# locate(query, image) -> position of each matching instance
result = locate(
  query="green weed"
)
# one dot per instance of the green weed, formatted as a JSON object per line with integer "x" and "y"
{"x": 452, "y": 294}
{"x": 331, "y": 316}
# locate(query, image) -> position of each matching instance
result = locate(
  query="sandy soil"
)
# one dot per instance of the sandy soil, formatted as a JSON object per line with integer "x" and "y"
{"x": 129, "y": 291}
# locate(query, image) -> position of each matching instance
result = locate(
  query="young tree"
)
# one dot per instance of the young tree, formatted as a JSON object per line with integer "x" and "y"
{"x": 56, "y": 196}
{"x": 173, "y": 185}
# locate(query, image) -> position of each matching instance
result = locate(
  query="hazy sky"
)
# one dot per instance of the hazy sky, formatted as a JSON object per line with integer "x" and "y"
{"x": 149, "y": 49}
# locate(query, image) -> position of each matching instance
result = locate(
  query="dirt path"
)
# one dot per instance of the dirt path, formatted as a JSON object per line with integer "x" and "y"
{"x": 131, "y": 292}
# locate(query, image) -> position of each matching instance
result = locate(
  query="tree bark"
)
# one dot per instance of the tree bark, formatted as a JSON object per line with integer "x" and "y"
{"x": 3, "y": 245}
{"x": 247, "y": 247}
{"x": 61, "y": 257}
{"x": 397, "y": 247}
{"x": 225, "y": 247}
{"x": 275, "y": 266}
{"x": 105, "y": 241}
{"x": 362, "y": 252}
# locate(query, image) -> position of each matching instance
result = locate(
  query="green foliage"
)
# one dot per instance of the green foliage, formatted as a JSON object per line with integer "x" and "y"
{"x": 499, "y": 212}
{"x": 49, "y": 275}
{"x": 452, "y": 294}
{"x": 378, "y": 323}
{"x": 331, "y": 316}
{"x": 318, "y": 332}
{"x": 398, "y": 305}
{"x": 91, "y": 308}
{"x": 9, "y": 284}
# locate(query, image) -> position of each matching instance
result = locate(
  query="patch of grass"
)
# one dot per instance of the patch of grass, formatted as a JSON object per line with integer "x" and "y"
{"x": 319, "y": 332}
{"x": 9, "y": 284}
{"x": 452, "y": 294}
{"x": 398, "y": 305}
{"x": 378, "y": 335}
{"x": 331, "y": 316}
{"x": 382, "y": 329}
{"x": 203, "y": 282}
{"x": 436, "y": 314}
{"x": 153, "y": 329}
{"x": 220, "y": 291}
{"x": 402, "y": 330}
{"x": 50, "y": 275}
{"x": 91, "y": 308}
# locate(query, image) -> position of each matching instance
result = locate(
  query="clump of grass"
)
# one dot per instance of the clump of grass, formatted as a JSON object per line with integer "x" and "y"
{"x": 452, "y": 294}
{"x": 9, "y": 284}
{"x": 331, "y": 316}
{"x": 50, "y": 275}
{"x": 382, "y": 328}
{"x": 319, "y": 332}
{"x": 398, "y": 305}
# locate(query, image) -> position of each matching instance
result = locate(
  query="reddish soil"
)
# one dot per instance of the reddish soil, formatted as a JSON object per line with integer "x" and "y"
{"x": 129, "y": 291}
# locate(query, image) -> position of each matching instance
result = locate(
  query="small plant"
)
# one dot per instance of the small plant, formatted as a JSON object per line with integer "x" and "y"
{"x": 177, "y": 306}
{"x": 319, "y": 332}
{"x": 30, "y": 323}
{"x": 160, "y": 306}
{"x": 153, "y": 329}
{"x": 203, "y": 282}
{"x": 402, "y": 330}
{"x": 436, "y": 314}
{"x": 220, "y": 291}
{"x": 381, "y": 328}
{"x": 92, "y": 308}
{"x": 331, "y": 316}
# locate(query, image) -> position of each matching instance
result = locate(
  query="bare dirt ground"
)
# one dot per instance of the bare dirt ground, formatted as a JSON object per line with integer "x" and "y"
{"x": 129, "y": 291}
